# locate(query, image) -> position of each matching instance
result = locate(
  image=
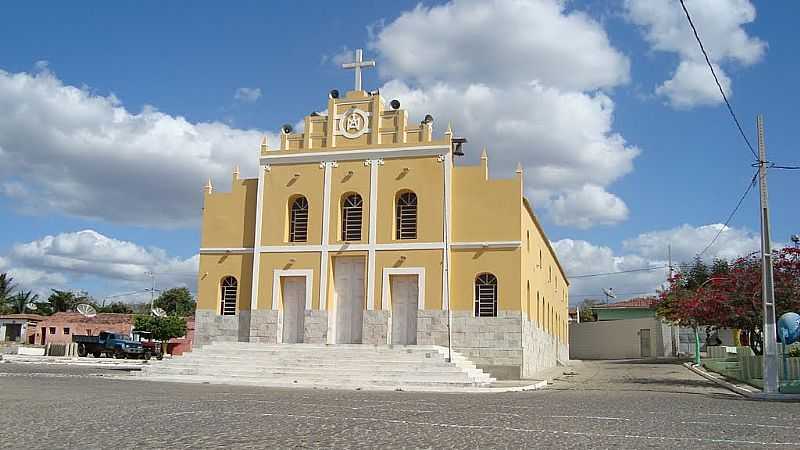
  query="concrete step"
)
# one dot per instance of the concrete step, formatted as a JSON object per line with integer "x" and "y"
{"x": 326, "y": 384}
{"x": 312, "y": 365}
{"x": 325, "y": 377}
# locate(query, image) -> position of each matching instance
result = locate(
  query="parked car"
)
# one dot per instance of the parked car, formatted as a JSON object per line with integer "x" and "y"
{"x": 148, "y": 343}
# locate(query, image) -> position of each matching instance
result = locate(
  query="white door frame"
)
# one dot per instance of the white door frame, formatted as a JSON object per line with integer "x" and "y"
{"x": 418, "y": 271}
{"x": 276, "y": 284}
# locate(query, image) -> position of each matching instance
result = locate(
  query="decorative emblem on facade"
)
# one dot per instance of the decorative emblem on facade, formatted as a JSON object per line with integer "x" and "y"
{"x": 353, "y": 123}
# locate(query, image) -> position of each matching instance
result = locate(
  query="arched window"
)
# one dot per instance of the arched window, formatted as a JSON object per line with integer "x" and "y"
{"x": 352, "y": 207}
{"x": 406, "y": 216}
{"x": 485, "y": 295}
{"x": 228, "y": 296}
{"x": 298, "y": 220}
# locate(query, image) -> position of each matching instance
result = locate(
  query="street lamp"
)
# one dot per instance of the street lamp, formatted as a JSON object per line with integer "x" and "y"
{"x": 696, "y": 332}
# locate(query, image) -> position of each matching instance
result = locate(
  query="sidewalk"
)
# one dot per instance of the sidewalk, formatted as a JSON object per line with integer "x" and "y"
{"x": 740, "y": 388}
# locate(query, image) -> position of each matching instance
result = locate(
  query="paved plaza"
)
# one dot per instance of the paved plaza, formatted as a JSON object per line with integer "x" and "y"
{"x": 598, "y": 405}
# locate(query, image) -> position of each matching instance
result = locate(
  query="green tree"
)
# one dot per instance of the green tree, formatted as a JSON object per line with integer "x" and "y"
{"x": 163, "y": 328}
{"x": 585, "y": 308}
{"x": 63, "y": 301}
{"x": 116, "y": 307}
{"x": 176, "y": 301}
{"x": 7, "y": 288}
{"x": 18, "y": 304}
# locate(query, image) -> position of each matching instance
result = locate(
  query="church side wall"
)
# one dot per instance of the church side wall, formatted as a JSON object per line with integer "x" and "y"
{"x": 228, "y": 223}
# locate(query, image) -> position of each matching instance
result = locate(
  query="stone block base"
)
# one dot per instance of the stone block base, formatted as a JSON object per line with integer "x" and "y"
{"x": 375, "y": 328}
{"x": 212, "y": 327}
{"x": 315, "y": 327}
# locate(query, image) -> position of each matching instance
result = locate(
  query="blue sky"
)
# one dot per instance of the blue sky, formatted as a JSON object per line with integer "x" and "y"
{"x": 688, "y": 166}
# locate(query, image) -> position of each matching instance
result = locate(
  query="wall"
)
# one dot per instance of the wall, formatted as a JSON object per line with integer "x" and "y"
{"x": 624, "y": 313}
{"x": 617, "y": 339}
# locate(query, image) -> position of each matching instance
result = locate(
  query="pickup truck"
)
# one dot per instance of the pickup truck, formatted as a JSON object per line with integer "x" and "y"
{"x": 110, "y": 344}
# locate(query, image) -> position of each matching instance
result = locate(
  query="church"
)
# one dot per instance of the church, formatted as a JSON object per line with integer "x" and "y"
{"x": 366, "y": 229}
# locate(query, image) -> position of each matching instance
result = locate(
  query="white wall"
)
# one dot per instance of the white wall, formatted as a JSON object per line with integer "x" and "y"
{"x": 616, "y": 339}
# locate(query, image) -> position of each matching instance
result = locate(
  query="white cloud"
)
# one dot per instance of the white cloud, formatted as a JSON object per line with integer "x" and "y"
{"x": 501, "y": 42}
{"x": 588, "y": 206}
{"x": 687, "y": 240}
{"x": 247, "y": 95}
{"x": 693, "y": 85}
{"x": 646, "y": 250}
{"x": 720, "y": 24}
{"x": 563, "y": 139}
{"x": 506, "y": 77}
{"x": 66, "y": 150}
{"x": 68, "y": 258}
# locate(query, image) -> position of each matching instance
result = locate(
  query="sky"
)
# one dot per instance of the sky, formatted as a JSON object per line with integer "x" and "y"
{"x": 113, "y": 116}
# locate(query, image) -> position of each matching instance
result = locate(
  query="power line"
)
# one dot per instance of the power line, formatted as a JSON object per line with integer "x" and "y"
{"x": 616, "y": 293}
{"x": 733, "y": 213}
{"x": 590, "y": 275}
{"x": 719, "y": 86}
{"x": 785, "y": 167}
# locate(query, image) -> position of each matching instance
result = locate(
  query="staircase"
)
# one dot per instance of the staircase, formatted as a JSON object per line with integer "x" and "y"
{"x": 356, "y": 366}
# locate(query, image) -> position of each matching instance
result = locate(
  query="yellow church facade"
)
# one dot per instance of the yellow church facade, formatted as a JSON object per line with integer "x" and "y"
{"x": 364, "y": 229}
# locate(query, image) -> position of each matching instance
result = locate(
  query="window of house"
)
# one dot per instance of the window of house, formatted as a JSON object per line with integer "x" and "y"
{"x": 352, "y": 208}
{"x": 486, "y": 295}
{"x": 228, "y": 296}
{"x": 66, "y": 330}
{"x": 298, "y": 220}
{"x": 406, "y": 216}
{"x": 52, "y": 330}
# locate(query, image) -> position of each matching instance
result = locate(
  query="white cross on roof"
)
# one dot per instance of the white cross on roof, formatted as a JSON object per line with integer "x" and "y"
{"x": 357, "y": 65}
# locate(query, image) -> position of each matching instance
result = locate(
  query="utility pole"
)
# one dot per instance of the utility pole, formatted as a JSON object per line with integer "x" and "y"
{"x": 153, "y": 288}
{"x": 770, "y": 357}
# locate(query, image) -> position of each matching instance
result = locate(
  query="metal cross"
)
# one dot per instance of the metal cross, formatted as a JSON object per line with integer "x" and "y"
{"x": 357, "y": 65}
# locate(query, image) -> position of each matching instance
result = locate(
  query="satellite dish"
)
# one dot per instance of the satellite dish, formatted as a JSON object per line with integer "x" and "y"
{"x": 428, "y": 119}
{"x": 286, "y": 128}
{"x": 158, "y": 312}
{"x": 609, "y": 292}
{"x": 395, "y": 104}
{"x": 86, "y": 310}
{"x": 32, "y": 306}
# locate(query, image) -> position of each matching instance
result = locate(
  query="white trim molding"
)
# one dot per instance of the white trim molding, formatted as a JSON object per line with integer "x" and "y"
{"x": 373, "y": 233}
{"x": 257, "y": 239}
{"x": 418, "y": 271}
{"x": 485, "y": 245}
{"x": 326, "y": 223}
{"x": 352, "y": 155}
{"x": 290, "y": 249}
{"x": 225, "y": 250}
{"x": 276, "y": 284}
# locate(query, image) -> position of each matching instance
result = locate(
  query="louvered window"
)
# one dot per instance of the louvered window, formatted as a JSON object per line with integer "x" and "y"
{"x": 486, "y": 295}
{"x": 406, "y": 216}
{"x": 298, "y": 231}
{"x": 352, "y": 207}
{"x": 228, "y": 296}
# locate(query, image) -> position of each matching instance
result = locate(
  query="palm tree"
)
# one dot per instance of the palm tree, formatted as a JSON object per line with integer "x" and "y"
{"x": 19, "y": 303}
{"x": 62, "y": 301}
{"x": 7, "y": 286}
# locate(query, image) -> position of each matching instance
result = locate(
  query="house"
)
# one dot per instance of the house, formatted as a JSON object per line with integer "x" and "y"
{"x": 367, "y": 229}
{"x": 19, "y": 328}
{"x": 625, "y": 329}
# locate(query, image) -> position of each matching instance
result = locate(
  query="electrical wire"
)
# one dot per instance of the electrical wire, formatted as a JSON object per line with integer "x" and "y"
{"x": 733, "y": 213}
{"x": 719, "y": 86}
{"x": 785, "y": 167}
{"x": 590, "y": 275}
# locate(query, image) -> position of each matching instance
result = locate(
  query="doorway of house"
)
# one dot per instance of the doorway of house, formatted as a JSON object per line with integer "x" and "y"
{"x": 348, "y": 280}
{"x": 644, "y": 342}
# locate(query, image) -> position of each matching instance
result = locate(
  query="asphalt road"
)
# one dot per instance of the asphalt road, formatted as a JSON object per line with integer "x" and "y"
{"x": 603, "y": 405}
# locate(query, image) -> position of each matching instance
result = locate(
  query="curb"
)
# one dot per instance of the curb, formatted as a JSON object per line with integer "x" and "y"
{"x": 743, "y": 390}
